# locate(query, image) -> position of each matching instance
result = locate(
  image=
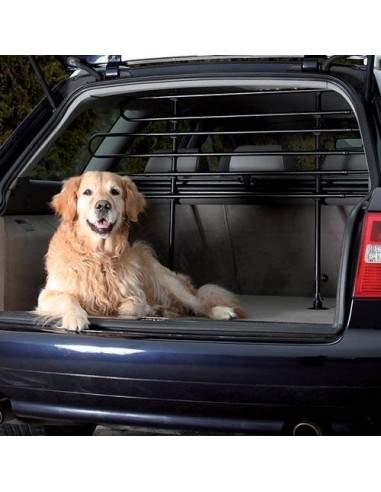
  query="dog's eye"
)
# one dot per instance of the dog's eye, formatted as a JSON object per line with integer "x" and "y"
{"x": 114, "y": 191}
{"x": 87, "y": 192}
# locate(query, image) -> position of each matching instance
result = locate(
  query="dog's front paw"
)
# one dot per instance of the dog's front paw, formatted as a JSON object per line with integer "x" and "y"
{"x": 75, "y": 320}
{"x": 223, "y": 313}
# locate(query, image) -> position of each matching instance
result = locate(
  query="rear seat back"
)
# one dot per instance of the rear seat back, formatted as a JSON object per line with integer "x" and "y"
{"x": 254, "y": 162}
{"x": 251, "y": 241}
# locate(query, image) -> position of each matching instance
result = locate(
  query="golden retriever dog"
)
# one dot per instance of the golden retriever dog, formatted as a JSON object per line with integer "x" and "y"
{"x": 92, "y": 269}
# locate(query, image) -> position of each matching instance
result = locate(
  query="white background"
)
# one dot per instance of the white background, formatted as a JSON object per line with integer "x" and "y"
{"x": 174, "y": 28}
{"x": 145, "y": 28}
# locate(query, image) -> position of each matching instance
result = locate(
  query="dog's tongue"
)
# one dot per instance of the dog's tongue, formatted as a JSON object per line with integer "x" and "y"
{"x": 102, "y": 224}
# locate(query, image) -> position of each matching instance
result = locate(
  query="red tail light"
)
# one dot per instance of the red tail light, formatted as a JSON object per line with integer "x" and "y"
{"x": 368, "y": 276}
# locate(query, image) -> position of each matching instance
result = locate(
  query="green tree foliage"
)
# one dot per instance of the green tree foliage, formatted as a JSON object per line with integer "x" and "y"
{"x": 20, "y": 89}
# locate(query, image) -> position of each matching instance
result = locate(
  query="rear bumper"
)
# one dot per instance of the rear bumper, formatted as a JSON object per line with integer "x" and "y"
{"x": 198, "y": 384}
{"x": 143, "y": 418}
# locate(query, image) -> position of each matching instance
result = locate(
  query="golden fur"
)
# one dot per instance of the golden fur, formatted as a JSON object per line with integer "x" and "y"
{"x": 102, "y": 274}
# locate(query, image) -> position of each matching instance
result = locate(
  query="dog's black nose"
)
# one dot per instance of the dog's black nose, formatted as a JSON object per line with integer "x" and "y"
{"x": 103, "y": 206}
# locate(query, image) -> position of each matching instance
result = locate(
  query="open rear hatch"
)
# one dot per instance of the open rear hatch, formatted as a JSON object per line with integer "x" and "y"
{"x": 251, "y": 183}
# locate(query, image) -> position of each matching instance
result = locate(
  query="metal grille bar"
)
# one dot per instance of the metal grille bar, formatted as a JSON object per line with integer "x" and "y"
{"x": 163, "y": 174}
{"x": 248, "y": 194}
{"x": 229, "y": 94}
{"x": 237, "y": 132}
{"x": 317, "y": 302}
{"x": 313, "y": 131}
{"x": 231, "y": 154}
{"x": 172, "y": 203}
{"x": 237, "y": 116}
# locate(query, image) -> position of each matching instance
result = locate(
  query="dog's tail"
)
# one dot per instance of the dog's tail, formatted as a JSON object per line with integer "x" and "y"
{"x": 211, "y": 296}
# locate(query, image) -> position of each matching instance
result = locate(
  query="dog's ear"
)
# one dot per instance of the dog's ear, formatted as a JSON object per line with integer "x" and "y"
{"x": 134, "y": 201}
{"x": 65, "y": 203}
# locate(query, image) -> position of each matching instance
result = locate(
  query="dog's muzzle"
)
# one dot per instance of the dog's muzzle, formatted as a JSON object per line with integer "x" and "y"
{"x": 102, "y": 208}
{"x": 102, "y": 225}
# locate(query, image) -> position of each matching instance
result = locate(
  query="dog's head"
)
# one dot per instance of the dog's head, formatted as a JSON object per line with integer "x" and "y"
{"x": 99, "y": 202}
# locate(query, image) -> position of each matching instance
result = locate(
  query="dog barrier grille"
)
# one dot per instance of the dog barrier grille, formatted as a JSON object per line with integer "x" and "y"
{"x": 244, "y": 186}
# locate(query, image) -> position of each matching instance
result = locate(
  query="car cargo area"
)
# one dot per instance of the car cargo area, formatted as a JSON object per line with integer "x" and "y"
{"x": 250, "y": 189}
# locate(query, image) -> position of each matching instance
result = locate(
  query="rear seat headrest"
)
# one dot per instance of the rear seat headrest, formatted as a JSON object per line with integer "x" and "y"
{"x": 256, "y": 162}
{"x": 355, "y": 162}
{"x": 164, "y": 164}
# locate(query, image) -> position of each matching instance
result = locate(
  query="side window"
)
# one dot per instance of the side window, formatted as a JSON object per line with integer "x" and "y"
{"x": 143, "y": 145}
{"x": 149, "y": 145}
{"x": 348, "y": 143}
{"x": 69, "y": 155}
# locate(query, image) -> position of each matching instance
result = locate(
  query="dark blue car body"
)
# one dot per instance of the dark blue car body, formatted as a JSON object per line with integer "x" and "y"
{"x": 220, "y": 385}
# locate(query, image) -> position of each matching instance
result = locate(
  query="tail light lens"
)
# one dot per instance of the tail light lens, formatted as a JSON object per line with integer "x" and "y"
{"x": 368, "y": 276}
